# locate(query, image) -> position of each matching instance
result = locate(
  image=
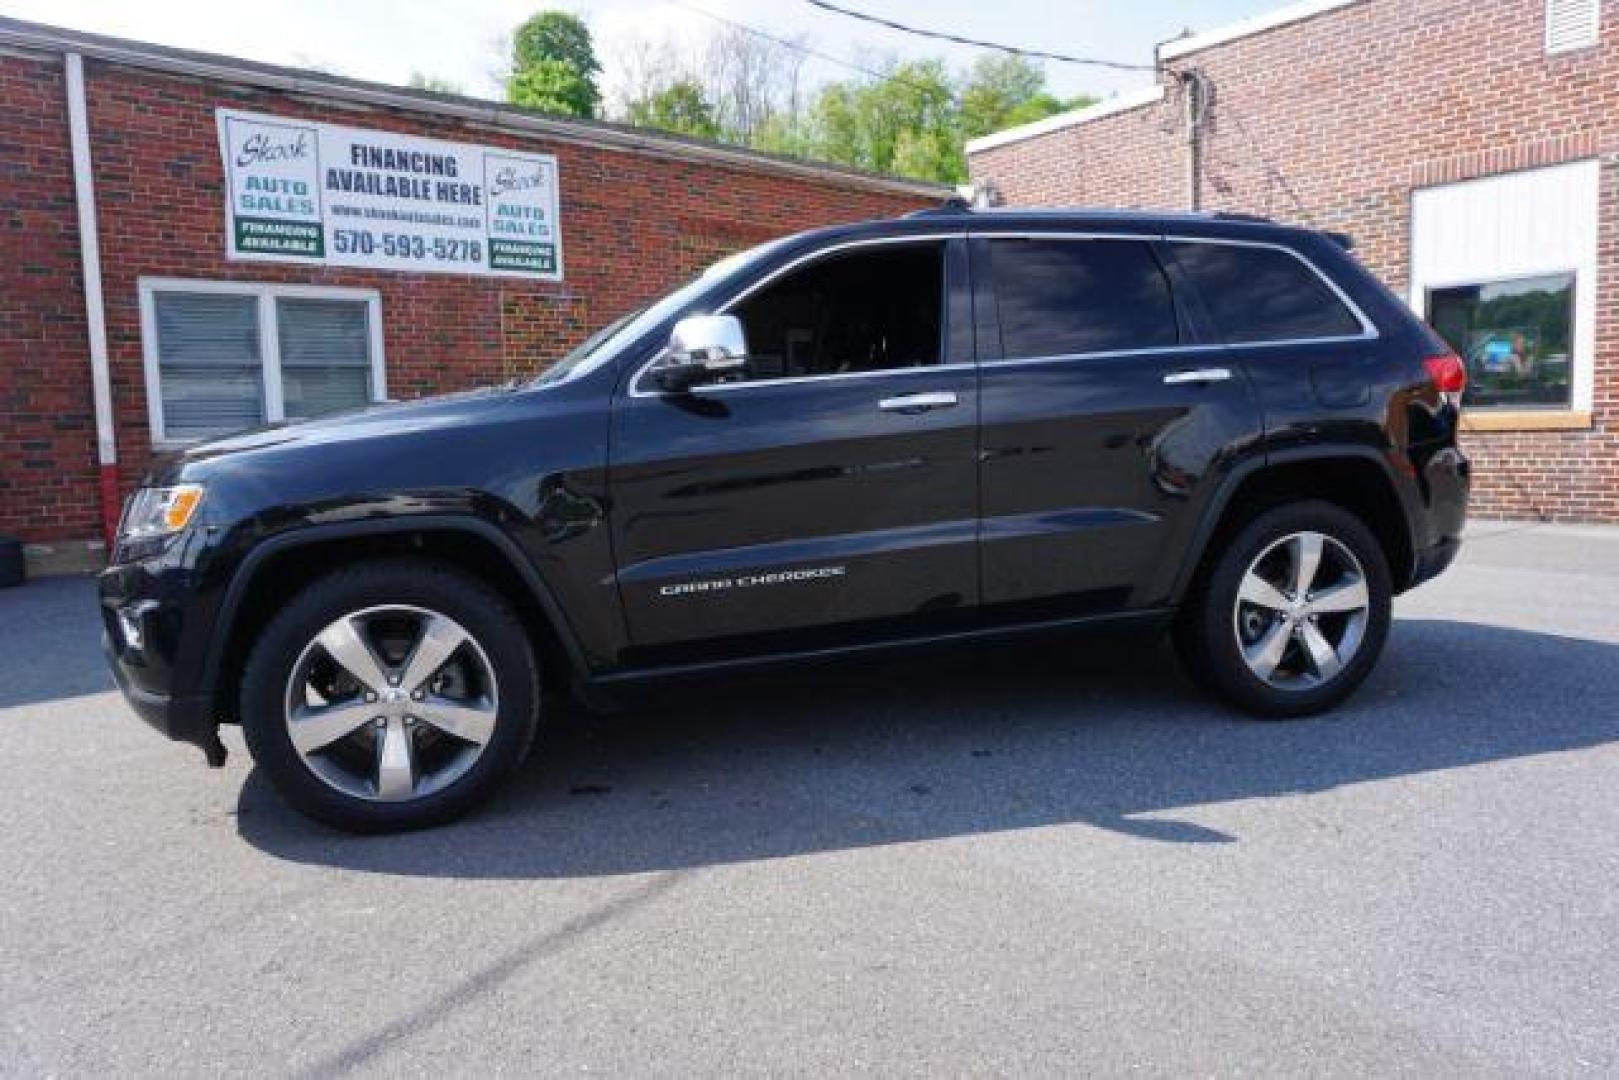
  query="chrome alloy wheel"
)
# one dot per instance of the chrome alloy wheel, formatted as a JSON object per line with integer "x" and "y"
{"x": 1301, "y": 611}
{"x": 391, "y": 703}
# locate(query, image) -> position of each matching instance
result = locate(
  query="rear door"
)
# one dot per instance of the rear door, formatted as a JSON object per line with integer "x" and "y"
{"x": 1106, "y": 422}
{"x": 1309, "y": 351}
{"x": 828, "y": 492}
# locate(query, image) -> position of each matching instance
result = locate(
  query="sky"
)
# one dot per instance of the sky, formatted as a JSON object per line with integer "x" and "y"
{"x": 461, "y": 40}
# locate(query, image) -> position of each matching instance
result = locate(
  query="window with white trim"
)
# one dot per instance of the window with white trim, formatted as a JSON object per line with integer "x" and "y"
{"x": 225, "y": 356}
{"x": 1505, "y": 267}
{"x": 1572, "y": 24}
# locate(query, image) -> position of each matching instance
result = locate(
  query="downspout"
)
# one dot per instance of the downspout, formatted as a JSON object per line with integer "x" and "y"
{"x": 1195, "y": 90}
{"x": 95, "y": 317}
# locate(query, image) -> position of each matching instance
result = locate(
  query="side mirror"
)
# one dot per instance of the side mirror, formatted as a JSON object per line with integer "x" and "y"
{"x": 701, "y": 348}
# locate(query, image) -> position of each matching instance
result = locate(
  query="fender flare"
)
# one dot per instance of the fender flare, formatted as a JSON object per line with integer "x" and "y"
{"x": 246, "y": 573}
{"x": 1221, "y": 500}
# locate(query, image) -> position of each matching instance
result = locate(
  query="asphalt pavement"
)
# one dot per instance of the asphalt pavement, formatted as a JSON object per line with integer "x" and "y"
{"x": 1042, "y": 860}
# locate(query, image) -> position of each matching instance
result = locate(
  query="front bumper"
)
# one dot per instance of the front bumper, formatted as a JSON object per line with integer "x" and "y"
{"x": 150, "y": 633}
{"x": 184, "y": 719}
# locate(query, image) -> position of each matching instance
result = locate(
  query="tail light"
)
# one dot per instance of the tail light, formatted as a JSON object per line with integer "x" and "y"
{"x": 1448, "y": 375}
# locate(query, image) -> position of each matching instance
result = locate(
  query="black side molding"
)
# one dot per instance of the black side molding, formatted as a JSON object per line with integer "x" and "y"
{"x": 314, "y": 534}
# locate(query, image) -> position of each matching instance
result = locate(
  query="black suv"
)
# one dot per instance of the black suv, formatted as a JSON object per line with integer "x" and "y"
{"x": 950, "y": 427}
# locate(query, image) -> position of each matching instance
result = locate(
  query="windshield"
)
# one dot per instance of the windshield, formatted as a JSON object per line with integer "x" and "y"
{"x": 603, "y": 345}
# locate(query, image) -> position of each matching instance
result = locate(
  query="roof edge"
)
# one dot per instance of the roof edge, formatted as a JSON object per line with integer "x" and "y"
{"x": 1270, "y": 20}
{"x": 38, "y": 37}
{"x": 1119, "y": 103}
{"x": 1168, "y": 50}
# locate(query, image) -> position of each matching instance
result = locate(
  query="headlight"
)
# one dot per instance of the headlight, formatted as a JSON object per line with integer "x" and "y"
{"x": 157, "y": 512}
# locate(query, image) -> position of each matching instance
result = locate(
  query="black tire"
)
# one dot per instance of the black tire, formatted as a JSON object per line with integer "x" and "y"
{"x": 490, "y": 621}
{"x": 1207, "y": 639}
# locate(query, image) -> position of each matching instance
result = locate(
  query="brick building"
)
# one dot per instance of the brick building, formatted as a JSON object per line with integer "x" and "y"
{"x": 170, "y": 259}
{"x": 1470, "y": 148}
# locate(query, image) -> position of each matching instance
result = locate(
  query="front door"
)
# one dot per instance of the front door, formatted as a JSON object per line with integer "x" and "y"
{"x": 1105, "y": 424}
{"x": 827, "y": 491}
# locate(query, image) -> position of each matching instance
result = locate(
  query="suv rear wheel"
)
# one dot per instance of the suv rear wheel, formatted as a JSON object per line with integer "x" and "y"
{"x": 1291, "y": 616}
{"x": 390, "y": 696}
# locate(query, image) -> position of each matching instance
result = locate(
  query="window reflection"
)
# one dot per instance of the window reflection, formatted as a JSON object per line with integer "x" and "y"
{"x": 1515, "y": 337}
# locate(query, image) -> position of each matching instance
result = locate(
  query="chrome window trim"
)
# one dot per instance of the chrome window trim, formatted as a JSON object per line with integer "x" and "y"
{"x": 790, "y": 380}
{"x": 1104, "y": 354}
{"x": 1162, "y": 350}
{"x": 1369, "y": 331}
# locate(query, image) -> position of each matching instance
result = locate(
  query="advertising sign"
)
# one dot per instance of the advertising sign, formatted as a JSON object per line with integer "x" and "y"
{"x": 337, "y": 196}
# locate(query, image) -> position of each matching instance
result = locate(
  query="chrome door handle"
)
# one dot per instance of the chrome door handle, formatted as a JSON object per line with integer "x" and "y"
{"x": 918, "y": 403}
{"x": 1200, "y": 375}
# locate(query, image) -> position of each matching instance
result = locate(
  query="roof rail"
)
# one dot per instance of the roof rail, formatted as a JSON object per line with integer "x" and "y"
{"x": 950, "y": 207}
{"x": 1235, "y": 215}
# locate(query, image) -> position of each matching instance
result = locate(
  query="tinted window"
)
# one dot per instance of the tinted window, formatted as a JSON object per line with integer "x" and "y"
{"x": 869, "y": 309}
{"x": 1515, "y": 337}
{"x": 600, "y": 346}
{"x": 1060, "y": 297}
{"x": 1264, "y": 294}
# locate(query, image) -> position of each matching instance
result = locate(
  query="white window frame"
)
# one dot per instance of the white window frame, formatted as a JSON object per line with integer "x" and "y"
{"x": 1583, "y": 36}
{"x": 1575, "y": 252}
{"x": 266, "y": 294}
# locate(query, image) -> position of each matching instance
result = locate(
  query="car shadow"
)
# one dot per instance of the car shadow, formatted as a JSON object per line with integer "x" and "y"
{"x": 1109, "y": 735}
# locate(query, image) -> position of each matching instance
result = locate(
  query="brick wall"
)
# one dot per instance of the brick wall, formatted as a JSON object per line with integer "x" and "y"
{"x": 1332, "y": 121}
{"x": 47, "y": 425}
{"x": 634, "y": 224}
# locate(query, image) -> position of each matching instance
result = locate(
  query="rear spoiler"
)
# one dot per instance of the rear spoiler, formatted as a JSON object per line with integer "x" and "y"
{"x": 1342, "y": 239}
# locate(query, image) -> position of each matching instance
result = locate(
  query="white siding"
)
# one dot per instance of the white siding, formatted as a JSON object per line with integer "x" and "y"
{"x": 1521, "y": 224}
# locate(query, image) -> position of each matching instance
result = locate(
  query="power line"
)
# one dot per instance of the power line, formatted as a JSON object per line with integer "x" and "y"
{"x": 800, "y": 47}
{"x": 1274, "y": 174}
{"x": 939, "y": 35}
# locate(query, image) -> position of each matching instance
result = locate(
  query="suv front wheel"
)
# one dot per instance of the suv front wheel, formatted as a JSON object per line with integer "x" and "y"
{"x": 388, "y": 696}
{"x": 1291, "y": 615}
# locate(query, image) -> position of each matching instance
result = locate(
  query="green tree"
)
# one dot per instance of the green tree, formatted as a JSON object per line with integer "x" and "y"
{"x": 1004, "y": 91}
{"x": 554, "y": 66}
{"x": 835, "y": 125}
{"x": 421, "y": 81}
{"x": 928, "y": 156}
{"x": 679, "y": 107}
{"x": 912, "y": 119}
{"x": 785, "y": 134}
{"x": 905, "y": 122}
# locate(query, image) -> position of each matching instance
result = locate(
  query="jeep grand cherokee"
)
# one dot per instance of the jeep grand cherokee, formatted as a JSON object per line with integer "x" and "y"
{"x": 946, "y": 428}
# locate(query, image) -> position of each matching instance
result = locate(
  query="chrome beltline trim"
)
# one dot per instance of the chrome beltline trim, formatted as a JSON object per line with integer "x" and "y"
{"x": 718, "y": 388}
